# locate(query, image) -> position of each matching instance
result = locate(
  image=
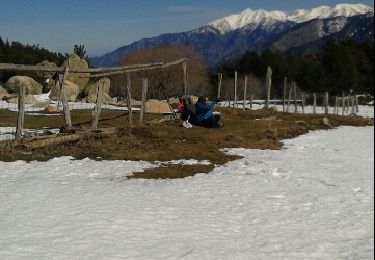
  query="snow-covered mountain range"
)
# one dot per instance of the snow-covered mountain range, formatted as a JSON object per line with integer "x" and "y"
{"x": 266, "y": 19}
{"x": 259, "y": 29}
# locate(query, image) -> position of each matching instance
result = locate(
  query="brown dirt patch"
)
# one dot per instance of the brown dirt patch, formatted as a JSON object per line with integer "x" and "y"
{"x": 259, "y": 129}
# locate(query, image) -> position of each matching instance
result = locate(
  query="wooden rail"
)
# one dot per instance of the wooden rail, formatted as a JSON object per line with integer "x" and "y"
{"x": 98, "y": 72}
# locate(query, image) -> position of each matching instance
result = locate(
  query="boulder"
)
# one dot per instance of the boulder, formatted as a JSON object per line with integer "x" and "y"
{"x": 47, "y": 64}
{"x": 157, "y": 107}
{"x": 29, "y": 99}
{"x": 91, "y": 91}
{"x": 3, "y": 92}
{"x": 51, "y": 109}
{"x": 32, "y": 87}
{"x": 76, "y": 63}
{"x": 71, "y": 91}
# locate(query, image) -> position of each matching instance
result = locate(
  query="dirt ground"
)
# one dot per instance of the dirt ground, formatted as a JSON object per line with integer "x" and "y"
{"x": 260, "y": 129}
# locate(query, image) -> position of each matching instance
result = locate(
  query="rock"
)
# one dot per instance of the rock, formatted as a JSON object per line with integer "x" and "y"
{"x": 29, "y": 99}
{"x": 91, "y": 91}
{"x": 71, "y": 91}
{"x": 326, "y": 122}
{"x": 157, "y": 107}
{"x": 3, "y": 92}
{"x": 51, "y": 109}
{"x": 76, "y": 63}
{"x": 32, "y": 87}
{"x": 47, "y": 64}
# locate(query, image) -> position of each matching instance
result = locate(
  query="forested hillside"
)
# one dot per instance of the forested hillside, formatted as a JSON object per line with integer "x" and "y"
{"x": 340, "y": 66}
{"x": 16, "y": 52}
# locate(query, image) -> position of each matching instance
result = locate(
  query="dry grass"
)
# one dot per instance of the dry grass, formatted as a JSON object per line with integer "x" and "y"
{"x": 169, "y": 141}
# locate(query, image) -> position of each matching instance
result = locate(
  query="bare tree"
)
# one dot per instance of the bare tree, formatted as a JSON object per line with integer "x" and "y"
{"x": 171, "y": 78}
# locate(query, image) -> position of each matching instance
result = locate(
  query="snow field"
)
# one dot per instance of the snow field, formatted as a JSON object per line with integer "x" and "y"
{"x": 314, "y": 199}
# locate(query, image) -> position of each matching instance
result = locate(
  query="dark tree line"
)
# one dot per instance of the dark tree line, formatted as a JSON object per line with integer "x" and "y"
{"x": 339, "y": 67}
{"x": 16, "y": 52}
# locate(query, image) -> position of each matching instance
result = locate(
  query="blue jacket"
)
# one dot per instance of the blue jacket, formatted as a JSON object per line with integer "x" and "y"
{"x": 203, "y": 111}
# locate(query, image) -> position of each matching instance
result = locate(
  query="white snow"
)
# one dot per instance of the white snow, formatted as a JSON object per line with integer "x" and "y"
{"x": 265, "y": 19}
{"x": 314, "y": 199}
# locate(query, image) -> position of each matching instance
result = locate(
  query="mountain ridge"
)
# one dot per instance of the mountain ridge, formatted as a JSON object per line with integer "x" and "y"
{"x": 249, "y": 30}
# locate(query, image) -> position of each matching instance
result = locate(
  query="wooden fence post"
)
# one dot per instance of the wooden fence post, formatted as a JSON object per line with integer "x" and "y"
{"x": 220, "y": 77}
{"x": 343, "y": 103}
{"x": 130, "y": 109}
{"x": 314, "y": 103}
{"x": 326, "y": 103}
{"x": 295, "y": 97}
{"x": 64, "y": 101}
{"x": 185, "y": 77}
{"x": 235, "y": 91}
{"x": 352, "y": 103}
{"x": 98, "y": 108}
{"x": 284, "y": 92}
{"x": 21, "y": 112}
{"x": 303, "y": 102}
{"x": 245, "y": 94}
{"x": 356, "y": 103}
{"x": 268, "y": 86}
{"x": 144, "y": 95}
{"x": 289, "y": 97}
{"x": 336, "y": 105}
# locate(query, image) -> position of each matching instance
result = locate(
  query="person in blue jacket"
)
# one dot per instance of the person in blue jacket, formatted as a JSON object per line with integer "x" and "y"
{"x": 204, "y": 116}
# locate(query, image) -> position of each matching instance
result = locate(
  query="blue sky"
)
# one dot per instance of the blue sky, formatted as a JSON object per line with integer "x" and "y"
{"x": 104, "y": 25}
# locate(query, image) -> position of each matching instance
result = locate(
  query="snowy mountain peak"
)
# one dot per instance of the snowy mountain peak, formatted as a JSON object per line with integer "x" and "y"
{"x": 265, "y": 19}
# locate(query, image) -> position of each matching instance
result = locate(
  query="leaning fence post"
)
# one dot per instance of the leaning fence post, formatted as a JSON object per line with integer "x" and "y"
{"x": 98, "y": 108}
{"x": 268, "y": 86}
{"x": 220, "y": 77}
{"x": 245, "y": 94}
{"x": 144, "y": 94}
{"x": 130, "y": 109}
{"x": 21, "y": 112}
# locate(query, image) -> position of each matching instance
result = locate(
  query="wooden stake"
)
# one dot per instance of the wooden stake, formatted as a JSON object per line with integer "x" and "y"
{"x": 303, "y": 102}
{"x": 185, "y": 77}
{"x": 64, "y": 101}
{"x": 235, "y": 91}
{"x": 21, "y": 112}
{"x": 343, "y": 103}
{"x": 130, "y": 109}
{"x": 268, "y": 86}
{"x": 98, "y": 108}
{"x": 336, "y": 105}
{"x": 251, "y": 101}
{"x": 284, "y": 93}
{"x": 220, "y": 77}
{"x": 289, "y": 97}
{"x": 314, "y": 103}
{"x": 295, "y": 98}
{"x": 144, "y": 95}
{"x": 245, "y": 94}
{"x": 326, "y": 103}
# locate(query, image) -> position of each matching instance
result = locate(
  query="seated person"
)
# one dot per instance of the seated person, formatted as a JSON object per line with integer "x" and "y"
{"x": 203, "y": 114}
